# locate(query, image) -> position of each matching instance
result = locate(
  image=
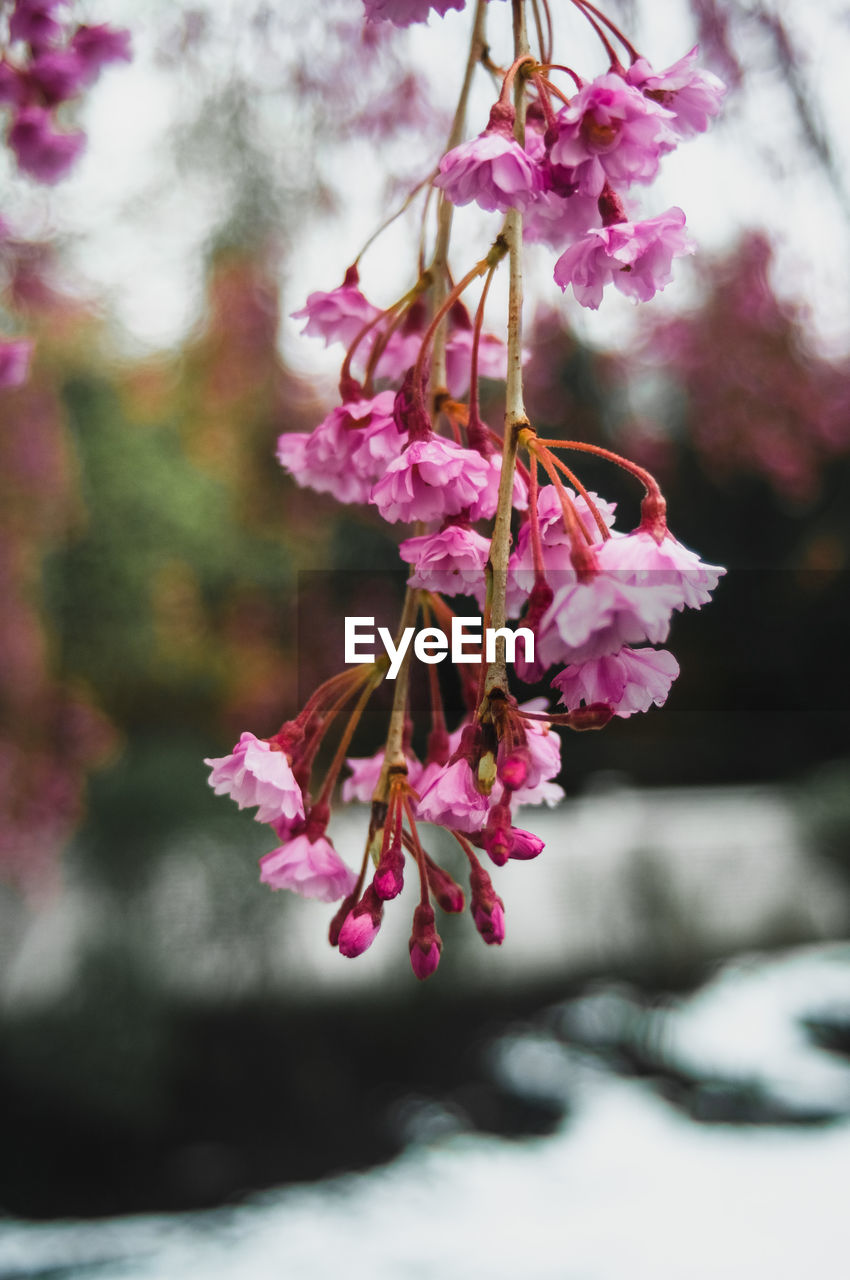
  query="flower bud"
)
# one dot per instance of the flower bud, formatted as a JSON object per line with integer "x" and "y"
{"x": 425, "y": 943}
{"x": 446, "y": 891}
{"x": 360, "y": 927}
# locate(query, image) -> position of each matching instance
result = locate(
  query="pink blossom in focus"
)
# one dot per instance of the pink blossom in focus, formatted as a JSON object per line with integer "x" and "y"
{"x": 15, "y": 362}
{"x": 611, "y": 131}
{"x": 360, "y": 927}
{"x": 493, "y": 170}
{"x": 484, "y": 506}
{"x": 337, "y": 316}
{"x": 347, "y": 451}
{"x": 451, "y": 561}
{"x": 692, "y": 96}
{"x": 40, "y": 151}
{"x": 401, "y": 13}
{"x": 432, "y": 478}
{"x": 637, "y": 558}
{"x": 634, "y": 256}
{"x": 452, "y": 799}
{"x": 555, "y": 543}
{"x": 254, "y": 774}
{"x": 629, "y": 681}
{"x": 597, "y": 618}
{"x": 312, "y": 868}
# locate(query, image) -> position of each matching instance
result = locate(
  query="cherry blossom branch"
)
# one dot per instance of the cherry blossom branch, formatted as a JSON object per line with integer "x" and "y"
{"x": 515, "y": 415}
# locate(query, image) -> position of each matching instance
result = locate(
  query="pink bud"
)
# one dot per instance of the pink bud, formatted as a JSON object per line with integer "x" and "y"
{"x": 425, "y": 943}
{"x": 337, "y": 922}
{"x": 513, "y": 768}
{"x": 488, "y": 909}
{"x": 525, "y": 845}
{"x": 447, "y": 893}
{"x": 388, "y": 880}
{"x": 490, "y": 924}
{"x": 360, "y": 927}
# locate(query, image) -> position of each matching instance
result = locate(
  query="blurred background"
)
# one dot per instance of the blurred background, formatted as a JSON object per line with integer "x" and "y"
{"x": 652, "y": 1075}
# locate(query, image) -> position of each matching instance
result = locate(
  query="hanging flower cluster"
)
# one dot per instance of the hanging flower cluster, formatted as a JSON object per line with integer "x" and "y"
{"x": 46, "y": 60}
{"x": 407, "y": 438}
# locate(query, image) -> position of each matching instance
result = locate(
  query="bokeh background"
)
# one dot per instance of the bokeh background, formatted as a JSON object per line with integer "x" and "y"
{"x": 652, "y": 1076}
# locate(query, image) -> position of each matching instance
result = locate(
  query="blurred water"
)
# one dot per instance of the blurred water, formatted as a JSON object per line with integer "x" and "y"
{"x": 628, "y": 1187}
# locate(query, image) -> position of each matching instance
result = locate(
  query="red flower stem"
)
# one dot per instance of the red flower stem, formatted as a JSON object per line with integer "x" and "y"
{"x": 507, "y": 83}
{"x": 609, "y": 48}
{"x": 468, "y": 850}
{"x": 425, "y": 898}
{"x": 345, "y": 377}
{"x": 550, "y": 34}
{"x": 534, "y": 523}
{"x": 497, "y": 251}
{"x": 345, "y": 741}
{"x": 544, "y": 80}
{"x": 352, "y": 677}
{"x": 408, "y": 200}
{"x": 559, "y": 66}
{"x": 612, "y": 27}
{"x": 544, "y": 91}
{"x": 476, "y": 339}
{"x": 604, "y": 531}
{"x": 445, "y": 208}
{"x": 648, "y": 481}
{"x": 538, "y": 25}
{"x": 572, "y": 523}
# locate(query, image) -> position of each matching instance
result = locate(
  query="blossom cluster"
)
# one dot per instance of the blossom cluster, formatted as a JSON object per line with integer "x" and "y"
{"x": 46, "y": 60}
{"x": 407, "y": 439}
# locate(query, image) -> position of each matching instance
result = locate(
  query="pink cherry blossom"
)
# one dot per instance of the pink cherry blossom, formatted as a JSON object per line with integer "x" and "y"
{"x": 337, "y": 316}
{"x": 634, "y": 256}
{"x": 637, "y": 558}
{"x": 629, "y": 681}
{"x": 484, "y": 506}
{"x": 312, "y": 868}
{"x": 452, "y": 799}
{"x": 492, "y": 360}
{"x": 555, "y": 543}
{"x": 451, "y": 561}
{"x": 692, "y": 96}
{"x": 40, "y": 150}
{"x": 255, "y": 774}
{"x": 401, "y": 13}
{"x": 493, "y": 170}
{"x": 611, "y": 131}
{"x": 432, "y": 478}
{"x": 347, "y": 451}
{"x": 33, "y": 22}
{"x": 559, "y": 220}
{"x": 97, "y": 46}
{"x": 596, "y": 618}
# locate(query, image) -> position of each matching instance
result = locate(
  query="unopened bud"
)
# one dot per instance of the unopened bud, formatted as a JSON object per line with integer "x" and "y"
{"x": 446, "y": 892}
{"x": 360, "y": 927}
{"x": 525, "y": 845}
{"x": 425, "y": 943}
{"x": 514, "y": 767}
